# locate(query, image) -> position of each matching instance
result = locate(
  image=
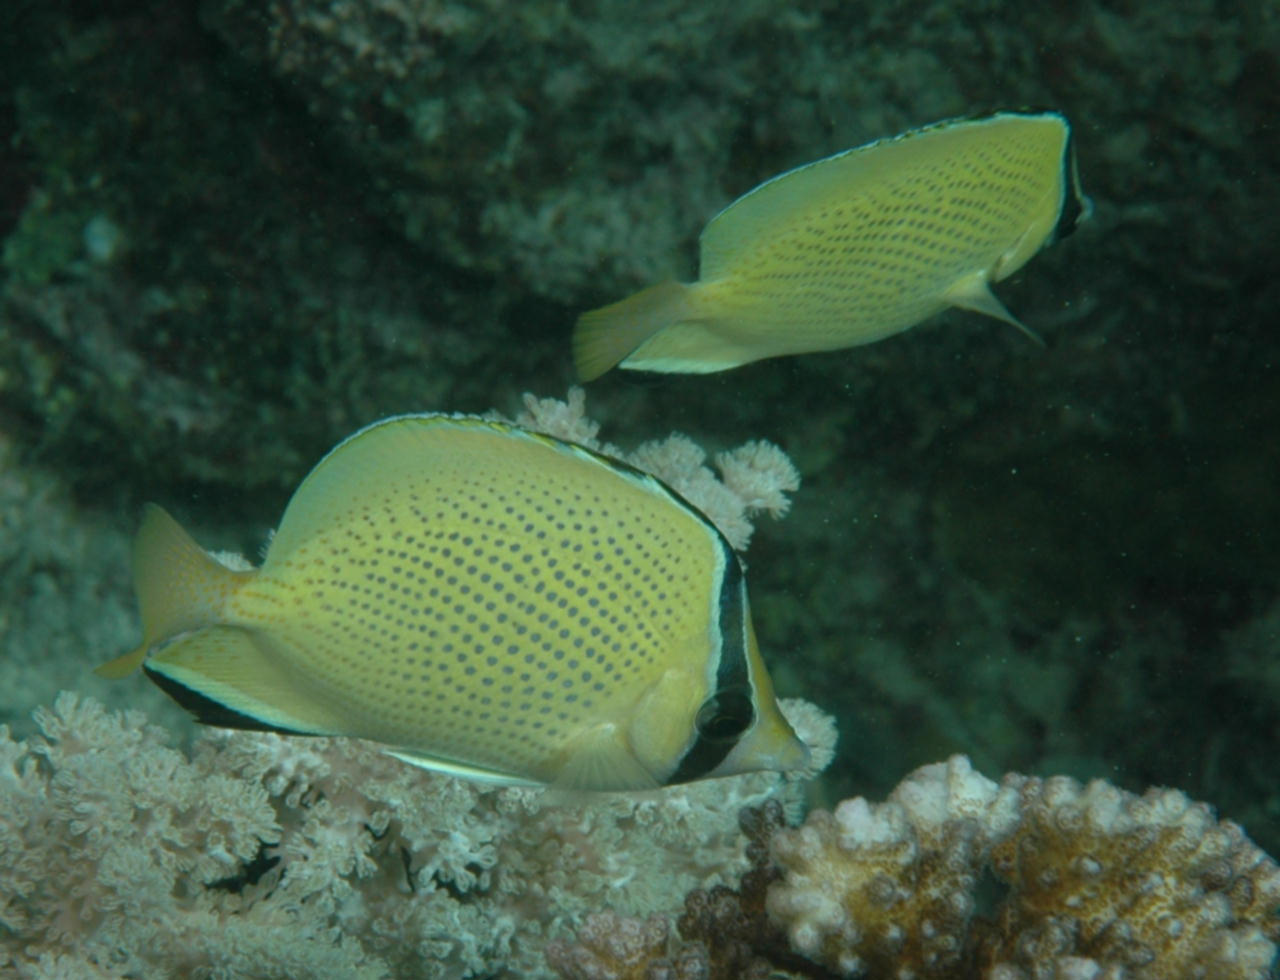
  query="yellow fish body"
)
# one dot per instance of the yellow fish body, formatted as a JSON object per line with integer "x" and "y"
{"x": 853, "y": 248}
{"x": 483, "y": 600}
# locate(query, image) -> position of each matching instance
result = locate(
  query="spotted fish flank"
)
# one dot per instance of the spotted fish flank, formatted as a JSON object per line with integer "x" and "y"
{"x": 854, "y": 248}
{"x": 483, "y": 600}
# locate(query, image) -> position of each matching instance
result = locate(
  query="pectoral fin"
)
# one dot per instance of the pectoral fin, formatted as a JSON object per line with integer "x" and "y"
{"x": 973, "y": 292}
{"x": 599, "y": 759}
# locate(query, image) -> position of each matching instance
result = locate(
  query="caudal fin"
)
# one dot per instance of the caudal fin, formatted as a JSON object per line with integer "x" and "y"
{"x": 180, "y": 587}
{"x": 603, "y": 338}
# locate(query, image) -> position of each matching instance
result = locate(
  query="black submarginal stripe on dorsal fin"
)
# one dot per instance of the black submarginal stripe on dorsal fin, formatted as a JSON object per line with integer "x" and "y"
{"x": 210, "y": 712}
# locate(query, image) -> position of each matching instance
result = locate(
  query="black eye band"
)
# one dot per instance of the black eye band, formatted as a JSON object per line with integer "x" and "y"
{"x": 730, "y": 710}
{"x": 725, "y": 715}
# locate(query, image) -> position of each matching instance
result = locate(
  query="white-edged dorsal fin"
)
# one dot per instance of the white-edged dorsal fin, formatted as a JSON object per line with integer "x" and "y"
{"x": 761, "y": 214}
{"x": 359, "y": 472}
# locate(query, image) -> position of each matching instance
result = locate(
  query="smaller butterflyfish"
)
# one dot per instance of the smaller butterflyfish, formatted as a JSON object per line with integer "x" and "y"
{"x": 484, "y": 601}
{"x": 853, "y": 248}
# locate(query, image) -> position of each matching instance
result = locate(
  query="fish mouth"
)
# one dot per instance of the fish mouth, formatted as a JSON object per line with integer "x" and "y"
{"x": 793, "y": 757}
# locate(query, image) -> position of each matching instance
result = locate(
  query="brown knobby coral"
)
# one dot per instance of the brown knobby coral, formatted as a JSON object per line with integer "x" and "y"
{"x": 1099, "y": 883}
{"x": 732, "y": 925}
{"x": 724, "y": 933}
{"x": 888, "y": 889}
{"x": 1143, "y": 887}
{"x": 616, "y": 947}
{"x": 956, "y": 877}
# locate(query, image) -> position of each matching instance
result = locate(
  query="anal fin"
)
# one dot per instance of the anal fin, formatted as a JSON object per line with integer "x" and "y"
{"x": 231, "y": 677}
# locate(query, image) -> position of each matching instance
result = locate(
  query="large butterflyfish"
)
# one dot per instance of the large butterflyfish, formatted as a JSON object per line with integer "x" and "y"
{"x": 484, "y": 601}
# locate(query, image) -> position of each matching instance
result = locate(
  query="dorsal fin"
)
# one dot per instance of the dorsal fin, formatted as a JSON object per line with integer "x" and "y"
{"x": 762, "y": 213}
{"x": 361, "y": 470}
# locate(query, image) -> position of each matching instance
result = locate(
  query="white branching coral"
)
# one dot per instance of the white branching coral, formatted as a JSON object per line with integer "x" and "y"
{"x": 755, "y": 478}
{"x": 1101, "y": 884}
{"x": 262, "y": 855}
{"x": 565, "y": 420}
{"x": 761, "y": 475}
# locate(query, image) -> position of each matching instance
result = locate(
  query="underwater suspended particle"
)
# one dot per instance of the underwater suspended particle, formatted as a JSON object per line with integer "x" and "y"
{"x": 854, "y": 248}
{"x": 486, "y": 602}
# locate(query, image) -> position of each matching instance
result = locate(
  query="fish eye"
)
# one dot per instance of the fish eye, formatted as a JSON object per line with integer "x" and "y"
{"x": 725, "y": 715}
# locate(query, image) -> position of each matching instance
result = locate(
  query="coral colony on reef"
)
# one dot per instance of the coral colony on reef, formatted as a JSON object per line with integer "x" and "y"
{"x": 1089, "y": 883}
{"x": 257, "y": 855}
